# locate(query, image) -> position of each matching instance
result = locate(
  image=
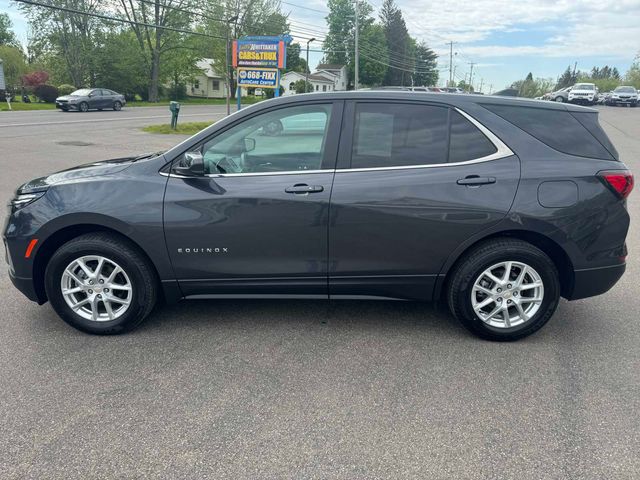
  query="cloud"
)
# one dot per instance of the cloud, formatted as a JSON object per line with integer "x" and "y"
{"x": 576, "y": 28}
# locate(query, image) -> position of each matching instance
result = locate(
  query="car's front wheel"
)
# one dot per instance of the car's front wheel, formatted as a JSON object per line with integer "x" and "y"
{"x": 504, "y": 289}
{"x": 101, "y": 284}
{"x": 117, "y": 106}
{"x": 559, "y": 99}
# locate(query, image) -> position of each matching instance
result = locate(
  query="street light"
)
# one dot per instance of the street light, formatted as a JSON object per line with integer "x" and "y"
{"x": 229, "y": 75}
{"x": 306, "y": 77}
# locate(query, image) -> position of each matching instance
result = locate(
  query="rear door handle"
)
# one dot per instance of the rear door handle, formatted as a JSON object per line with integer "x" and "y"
{"x": 303, "y": 189}
{"x": 475, "y": 180}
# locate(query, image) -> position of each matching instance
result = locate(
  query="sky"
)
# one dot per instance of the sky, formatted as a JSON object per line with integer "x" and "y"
{"x": 505, "y": 39}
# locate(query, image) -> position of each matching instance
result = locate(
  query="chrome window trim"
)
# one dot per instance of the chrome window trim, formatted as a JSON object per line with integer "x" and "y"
{"x": 502, "y": 151}
{"x": 251, "y": 174}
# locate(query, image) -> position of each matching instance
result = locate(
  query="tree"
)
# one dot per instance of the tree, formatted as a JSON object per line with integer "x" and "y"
{"x": 7, "y": 36}
{"x": 299, "y": 86}
{"x": 426, "y": 65}
{"x": 399, "y": 44}
{"x": 339, "y": 43}
{"x": 154, "y": 43}
{"x": 373, "y": 68}
{"x": 567, "y": 79}
{"x": 118, "y": 66}
{"x": 632, "y": 77}
{"x": 35, "y": 79}
{"x": 14, "y": 65}
{"x": 531, "y": 88}
{"x": 295, "y": 63}
{"x": 67, "y": 36}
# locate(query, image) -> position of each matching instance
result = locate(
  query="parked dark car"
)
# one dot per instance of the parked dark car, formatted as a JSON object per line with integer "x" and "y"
{"x": 87, "y": 99}
{"x": 498, "y": 206}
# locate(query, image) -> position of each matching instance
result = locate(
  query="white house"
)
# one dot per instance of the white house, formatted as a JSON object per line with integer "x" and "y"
{"x": 326, "y": 78}
{"x": 209, "y": 84}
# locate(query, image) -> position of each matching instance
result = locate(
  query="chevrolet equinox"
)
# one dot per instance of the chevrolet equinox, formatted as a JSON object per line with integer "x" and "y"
{"x": 497, "y": 206}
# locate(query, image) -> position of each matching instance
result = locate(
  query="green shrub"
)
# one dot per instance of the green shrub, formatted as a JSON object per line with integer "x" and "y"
{"x": 66, "y": 89}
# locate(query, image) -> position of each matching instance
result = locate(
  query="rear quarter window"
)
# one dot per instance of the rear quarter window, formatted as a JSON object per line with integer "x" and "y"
{"x": 559, "y": 129}
{"x": 466, "y": 141}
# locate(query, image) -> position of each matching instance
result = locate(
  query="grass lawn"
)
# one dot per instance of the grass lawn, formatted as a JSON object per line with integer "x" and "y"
{"x": 19, "y": 106}
{"x": 189, "y": 128}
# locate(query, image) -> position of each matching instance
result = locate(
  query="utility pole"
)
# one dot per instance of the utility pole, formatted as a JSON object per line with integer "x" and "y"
{"x": 228, "y": 56}
{"x": 575, "y": 65}
{"x": 450, "y": 63}
{"x": 490, "y": 88}
{"x": 306, "y": 77}
{"x": 471, "y": 75}
{"x": 356, "y": 81}
{"x": 481, "y": 83}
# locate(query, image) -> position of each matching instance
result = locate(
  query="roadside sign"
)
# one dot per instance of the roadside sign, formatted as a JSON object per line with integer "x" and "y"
{"x": 258, "y": 77}
{"x": 259, "y": 51}
{"x": 2, "y": 82}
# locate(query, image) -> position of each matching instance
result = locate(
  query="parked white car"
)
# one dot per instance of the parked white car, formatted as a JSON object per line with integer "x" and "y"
{"x": 584, "y": 93}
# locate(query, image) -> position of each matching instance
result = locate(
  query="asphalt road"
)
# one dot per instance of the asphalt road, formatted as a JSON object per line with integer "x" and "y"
{"x": 284, "y": 389}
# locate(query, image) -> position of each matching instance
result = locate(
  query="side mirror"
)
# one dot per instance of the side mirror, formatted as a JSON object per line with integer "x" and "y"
{"x": 249, "y": 144}
{"x": 190, "y": 165}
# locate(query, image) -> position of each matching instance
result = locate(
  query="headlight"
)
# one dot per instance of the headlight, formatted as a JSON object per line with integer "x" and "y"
{"x": 23, "y": 199}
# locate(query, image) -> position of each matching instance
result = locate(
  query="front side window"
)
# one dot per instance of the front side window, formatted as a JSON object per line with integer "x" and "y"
{"x": 388, "y": 135}
{"x": 284, "y": 140}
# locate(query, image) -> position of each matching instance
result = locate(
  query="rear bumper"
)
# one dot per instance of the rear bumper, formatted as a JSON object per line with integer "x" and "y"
{"x": 595, "y": 281}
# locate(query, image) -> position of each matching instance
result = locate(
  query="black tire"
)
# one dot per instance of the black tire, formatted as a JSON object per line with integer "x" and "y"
{"x": 83, "y": 107}
{"x": 117, "y": 106}
{"x": 475, "y": 262}
{"x": 144, "y": 285}
{"x": 559, "y": 98}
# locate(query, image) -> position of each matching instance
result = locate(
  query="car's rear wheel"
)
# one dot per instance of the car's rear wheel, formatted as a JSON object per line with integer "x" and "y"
{"x": 117, "y": 106}
{"x": 84, "y": 107}
{"x": 100, "y": 284}
{"x": 504, "y": 289}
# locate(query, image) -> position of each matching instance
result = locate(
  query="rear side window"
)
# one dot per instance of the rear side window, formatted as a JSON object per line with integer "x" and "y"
{"x": 558, "y": 129}
{"x": 590, "y": 121}
{"x": 389, "y": 134}
{"x": 467, "y": 142}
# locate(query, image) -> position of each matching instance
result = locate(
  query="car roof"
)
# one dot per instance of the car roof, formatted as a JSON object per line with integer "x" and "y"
{"x": 455, "y": 99}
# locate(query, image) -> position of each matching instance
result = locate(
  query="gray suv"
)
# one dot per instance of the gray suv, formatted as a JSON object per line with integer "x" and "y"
{"x": 496, "y": 206}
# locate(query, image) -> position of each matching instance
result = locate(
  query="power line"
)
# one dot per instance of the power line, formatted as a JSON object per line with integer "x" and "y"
{"x": 115, "y": 19}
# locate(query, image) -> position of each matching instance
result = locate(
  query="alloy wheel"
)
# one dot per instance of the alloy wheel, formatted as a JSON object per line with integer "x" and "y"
{"x": 507, "y": 294}
{"x": 96, "y": 288}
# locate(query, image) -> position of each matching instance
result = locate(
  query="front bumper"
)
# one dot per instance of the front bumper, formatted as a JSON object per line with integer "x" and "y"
{"x": 595, "y": 281}
{"x": 26, "y": 287}
{"x": 66, "y": 106}
{"x": 581, "y": 99}
{"x": 623, "y": 101}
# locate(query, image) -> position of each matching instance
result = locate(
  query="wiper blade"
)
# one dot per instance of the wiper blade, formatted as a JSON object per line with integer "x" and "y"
{"x": 147, "y": 155}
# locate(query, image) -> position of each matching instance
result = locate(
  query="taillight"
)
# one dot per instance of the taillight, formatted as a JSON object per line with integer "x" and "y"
{"x": 620, "y": 181}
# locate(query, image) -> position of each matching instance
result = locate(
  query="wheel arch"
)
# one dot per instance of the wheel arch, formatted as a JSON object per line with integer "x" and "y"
{"x": 63, "y": 235}
{"x": 556, "y": 253}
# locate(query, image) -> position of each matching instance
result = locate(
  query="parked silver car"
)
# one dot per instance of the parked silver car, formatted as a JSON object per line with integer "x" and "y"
{"x": 561, "y": 95}
{"x": 87, "y": 99}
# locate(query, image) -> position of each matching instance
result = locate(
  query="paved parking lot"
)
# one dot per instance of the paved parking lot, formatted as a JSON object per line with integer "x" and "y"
{"x": 284, "y": 389}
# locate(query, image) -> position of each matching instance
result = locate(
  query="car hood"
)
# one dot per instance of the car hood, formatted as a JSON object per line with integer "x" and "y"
{"x": 69, "y": 97}
{"x": 80, "y": 172}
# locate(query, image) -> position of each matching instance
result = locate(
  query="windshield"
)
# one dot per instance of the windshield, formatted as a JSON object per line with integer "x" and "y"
{"x": 625, "y": 90}
{"x": 583, "y": 86}
{"x": 83, "y": 92}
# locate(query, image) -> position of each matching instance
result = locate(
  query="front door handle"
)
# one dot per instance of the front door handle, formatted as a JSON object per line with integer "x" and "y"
{"x": 303, "y": 189}
{"x": 475, "y": 180}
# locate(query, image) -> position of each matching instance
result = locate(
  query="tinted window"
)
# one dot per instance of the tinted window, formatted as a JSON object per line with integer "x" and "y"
{"x": 388, "y": 135}
{"x": 590, "y": 121}
{"x": 556, "y": 128}
{"x": 287, "y": 139}
{"x": 467, "y": 142}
